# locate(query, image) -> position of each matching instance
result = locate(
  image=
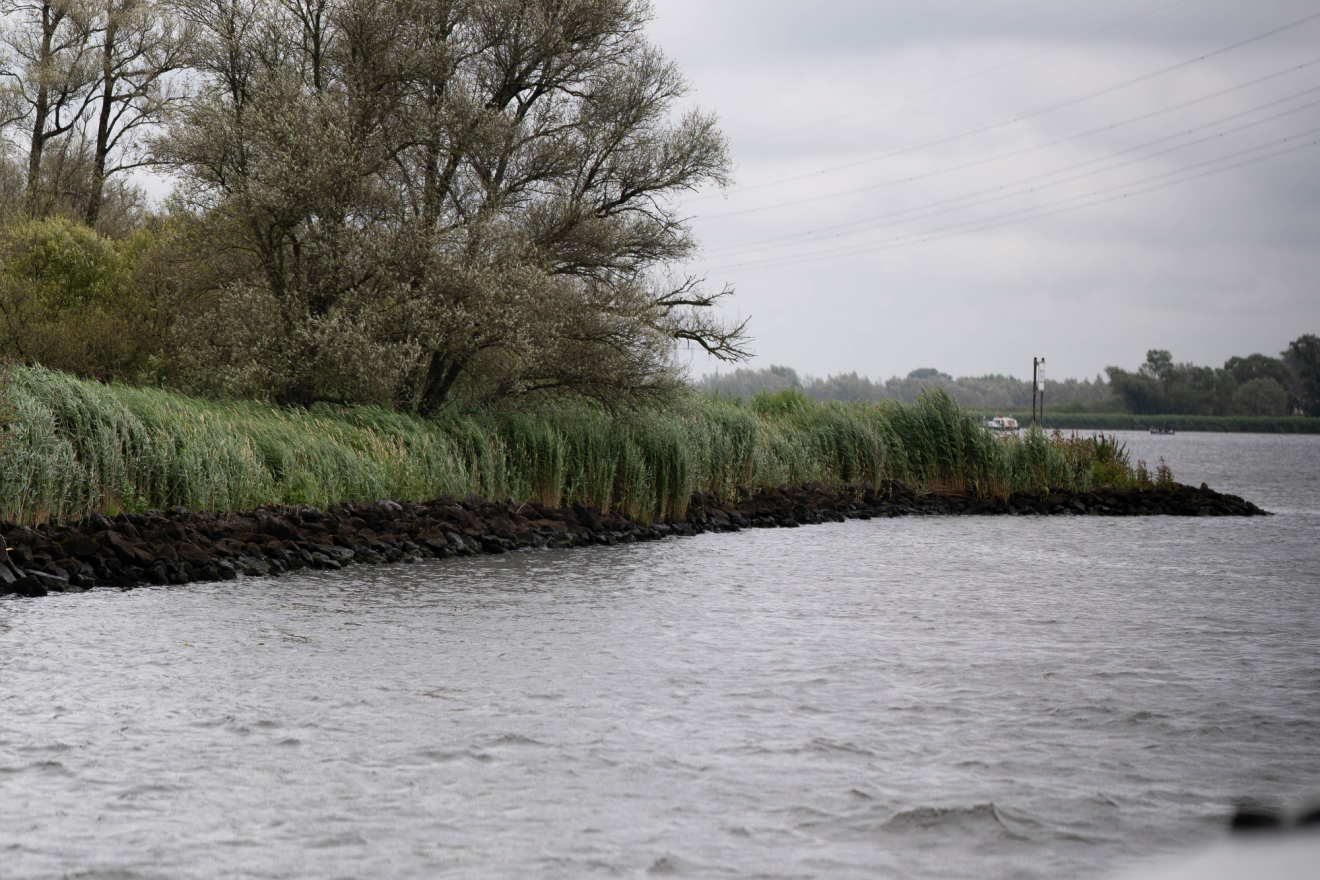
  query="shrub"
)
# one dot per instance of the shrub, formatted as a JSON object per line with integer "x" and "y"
{"x": 1260, "y": 397}
{"x": 75, "y": 301}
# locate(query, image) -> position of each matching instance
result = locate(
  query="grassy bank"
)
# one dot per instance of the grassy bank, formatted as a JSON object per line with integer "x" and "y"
{"x": 73, "y": 446}
{"x": 1130, "y": 422}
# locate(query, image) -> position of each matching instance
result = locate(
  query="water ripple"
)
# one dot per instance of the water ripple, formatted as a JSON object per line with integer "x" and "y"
{"x": 938, "y": 698}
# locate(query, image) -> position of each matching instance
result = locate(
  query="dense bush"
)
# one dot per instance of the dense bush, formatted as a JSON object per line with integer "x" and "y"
{"x": 73, "y": 300}
{"x": 1260, "y": 397}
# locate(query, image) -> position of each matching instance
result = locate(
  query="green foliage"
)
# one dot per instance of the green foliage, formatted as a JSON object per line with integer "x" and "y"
{"x": 1112, "y": 404}
{"x": 789, "y": 401}
{"x": 68, "y": 264}
{"x": 1258, "y": 366}
{"x": 73, "y": 300}
{"x": 1303, "y": 358}
{"x": 1256, "y": 385}
{"x": 76, "y": 446}
{"x": 1260, "y": 397}
{"x": 971, "y": 391}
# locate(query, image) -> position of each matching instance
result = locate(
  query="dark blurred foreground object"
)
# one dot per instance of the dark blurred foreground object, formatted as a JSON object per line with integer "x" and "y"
{"x": 1266, "y": 843}
{"x": 1252, "y": 816}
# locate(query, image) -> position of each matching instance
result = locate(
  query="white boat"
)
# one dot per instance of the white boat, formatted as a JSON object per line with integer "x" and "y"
{"x": 1003, "y": 424}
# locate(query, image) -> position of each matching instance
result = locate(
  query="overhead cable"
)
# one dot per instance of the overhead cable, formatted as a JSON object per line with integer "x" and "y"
{"x": 1039, "y": 211}
{"x": 871, "y": 222}
{"x": 953, "y": 82}
{"x": 1012, "y": 153}
{"x": 1048, "y": 108}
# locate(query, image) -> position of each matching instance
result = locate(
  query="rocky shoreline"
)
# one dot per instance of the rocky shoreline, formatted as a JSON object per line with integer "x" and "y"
{"x": 177, "y": 546}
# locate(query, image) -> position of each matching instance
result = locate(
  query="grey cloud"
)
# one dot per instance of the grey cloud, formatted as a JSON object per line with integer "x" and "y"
{"x": 1217, "y": 266}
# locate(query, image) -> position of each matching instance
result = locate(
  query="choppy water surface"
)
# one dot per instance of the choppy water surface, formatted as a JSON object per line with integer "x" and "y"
{"x": 963, "y": 697}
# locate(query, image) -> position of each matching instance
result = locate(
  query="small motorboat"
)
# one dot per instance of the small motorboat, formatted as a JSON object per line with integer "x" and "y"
{"x": 1003, "y": 425}
{"x": 1162, "y": 429}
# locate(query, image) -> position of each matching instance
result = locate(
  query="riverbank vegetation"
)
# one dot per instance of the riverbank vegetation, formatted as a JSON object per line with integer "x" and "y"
{"x": 990, "y": 391}
{"x": 413, "y": 248}
{"x": 75, "y": 446}
{"x": 1248, "y": 389}
{"x": 397, "y": 203}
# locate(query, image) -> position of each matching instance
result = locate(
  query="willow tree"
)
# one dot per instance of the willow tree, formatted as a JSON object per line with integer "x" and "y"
{"x": 428, "y": 193}
{"x": 80, "y": 82}
{"x": 139, "y": 46}
{"x": 48, "y": 74}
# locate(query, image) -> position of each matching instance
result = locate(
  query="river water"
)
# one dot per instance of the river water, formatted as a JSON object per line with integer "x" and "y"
{"x": 935, "y": 697}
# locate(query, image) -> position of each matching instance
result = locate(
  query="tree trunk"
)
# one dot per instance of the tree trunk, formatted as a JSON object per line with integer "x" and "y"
{"x": 103, "y": 120}
{"x": 440, "y": 377}
{"x": 40, "y": 112}
{"x": 50, "y": 22}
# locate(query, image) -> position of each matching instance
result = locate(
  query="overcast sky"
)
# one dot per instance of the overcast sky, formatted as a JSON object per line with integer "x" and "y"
{"x": 964, "y": 184}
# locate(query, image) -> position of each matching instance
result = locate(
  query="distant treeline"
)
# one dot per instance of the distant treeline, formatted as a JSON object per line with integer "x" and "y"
{"x": 984, "y": 392}
{"x": 1256, "y": 385}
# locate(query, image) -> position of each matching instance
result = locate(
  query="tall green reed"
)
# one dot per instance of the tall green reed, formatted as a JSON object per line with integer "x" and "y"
{"x": 72, "y": 447}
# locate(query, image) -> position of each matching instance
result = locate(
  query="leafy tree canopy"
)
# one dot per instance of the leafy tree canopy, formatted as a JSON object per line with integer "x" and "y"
{"x": 1253, "y": 385}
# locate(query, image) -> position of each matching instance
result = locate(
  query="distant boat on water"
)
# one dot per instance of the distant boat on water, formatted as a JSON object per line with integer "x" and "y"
{"x": 1003, "y": 424}
{"x": 1162, "y": 429}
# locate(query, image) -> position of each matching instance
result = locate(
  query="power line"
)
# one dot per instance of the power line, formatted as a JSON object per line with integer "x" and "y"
{"x": 1059, "y": 207}
{"x": 960, "y": 80}
{"x": 871, "y": 222}
{"x": 1001, "y": 156}
{"x": 1029, "y": 114}
{"x": 1009, "y": 218}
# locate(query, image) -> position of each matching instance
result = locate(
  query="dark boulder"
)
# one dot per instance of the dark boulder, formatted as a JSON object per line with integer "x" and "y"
{"x": 27, "y": 586}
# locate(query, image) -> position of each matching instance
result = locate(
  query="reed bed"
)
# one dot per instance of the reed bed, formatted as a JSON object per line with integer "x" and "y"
{"x": 71, "y": 447}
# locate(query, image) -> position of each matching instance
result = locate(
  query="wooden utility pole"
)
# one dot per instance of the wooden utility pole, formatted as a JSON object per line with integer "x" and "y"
{"x": 1038, "y": 389}
{"x": 1041, "y": 381}
{"x": 1034, "y": 362}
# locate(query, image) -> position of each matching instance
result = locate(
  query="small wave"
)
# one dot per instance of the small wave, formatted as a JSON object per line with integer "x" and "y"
{"x": 669, "y": 866}
{"x": 1143, "y": 717}
{"x": 443, "y": 693}
{"x": 941, "y": 817}
{"x": 442, "y": 756}
{"x": 825, "y": 745}
{"x": 348, "y": 838}
{"x": 964, "y": 821}
{"x": 54, "y": 768}
{"x": 515, "y": 739}
{"x": 139, "y": 792}
{"x": 55, "y": 747}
